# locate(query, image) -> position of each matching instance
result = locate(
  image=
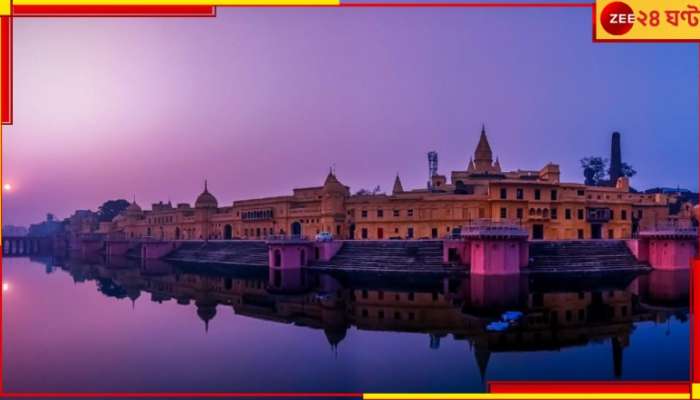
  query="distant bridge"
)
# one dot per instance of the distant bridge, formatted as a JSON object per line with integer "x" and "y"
{"x": 26, "y": 245}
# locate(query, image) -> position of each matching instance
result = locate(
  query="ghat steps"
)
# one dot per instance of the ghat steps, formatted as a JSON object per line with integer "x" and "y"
{"x": 582, "y": 256}
{"x": 577, "y": 256}
{"x": 244, "y": 252}
{"x": 388, "y": 255}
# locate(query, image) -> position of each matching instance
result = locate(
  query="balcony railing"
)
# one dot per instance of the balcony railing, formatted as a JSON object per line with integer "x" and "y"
{"x": 670, "y": 227}
{"x": 286, "y": 238}
{"x": 487, "y": 227}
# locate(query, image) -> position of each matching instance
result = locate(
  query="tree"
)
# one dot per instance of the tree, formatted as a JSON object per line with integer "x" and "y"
{"x": 594, "y": 169}
{"x": 110, "y": 289}
{"x": 365, "y": 192}
{"x": 111, "y": 208}
{"x": 627, "y": 170}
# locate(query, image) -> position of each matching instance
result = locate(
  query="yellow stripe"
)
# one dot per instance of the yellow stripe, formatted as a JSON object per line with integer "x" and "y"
{"x": 178, "y": 2}
{"x": 696, "y": 390}
{"x": 516, "y": 396}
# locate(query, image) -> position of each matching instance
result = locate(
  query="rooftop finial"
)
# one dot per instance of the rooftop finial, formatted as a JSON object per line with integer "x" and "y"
{"x": 205, "y": 185}
{"x": 483, "y": 128}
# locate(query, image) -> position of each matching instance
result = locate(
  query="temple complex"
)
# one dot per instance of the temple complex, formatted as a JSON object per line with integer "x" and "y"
{"x": 483, "y": 191}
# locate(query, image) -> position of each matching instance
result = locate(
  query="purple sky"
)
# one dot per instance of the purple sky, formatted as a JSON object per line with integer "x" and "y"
{"x": 263, "y": 100}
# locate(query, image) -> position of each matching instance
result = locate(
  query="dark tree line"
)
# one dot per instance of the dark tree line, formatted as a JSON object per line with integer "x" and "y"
{"x": 596, "y": 170}
{"x": 111, "y": 208}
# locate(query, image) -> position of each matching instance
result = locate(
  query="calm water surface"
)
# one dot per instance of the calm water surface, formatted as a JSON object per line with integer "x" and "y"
{"x": 88, "y": 325}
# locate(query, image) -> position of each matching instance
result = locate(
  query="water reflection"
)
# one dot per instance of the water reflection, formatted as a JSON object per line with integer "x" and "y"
{"x": 558, "y": 313}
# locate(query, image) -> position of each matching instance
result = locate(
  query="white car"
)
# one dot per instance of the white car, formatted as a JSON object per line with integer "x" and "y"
{"x": 324, "y": 237}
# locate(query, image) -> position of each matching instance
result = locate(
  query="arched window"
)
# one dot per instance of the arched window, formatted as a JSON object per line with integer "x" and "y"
{"x": 296, "y": 228}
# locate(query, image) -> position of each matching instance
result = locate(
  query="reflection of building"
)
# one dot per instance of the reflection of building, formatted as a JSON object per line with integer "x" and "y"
{"x": 556, "y": 316}
{"x": 548, "y": 208}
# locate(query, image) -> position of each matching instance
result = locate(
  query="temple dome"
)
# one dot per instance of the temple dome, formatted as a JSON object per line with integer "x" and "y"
{"x": 206, "y": 199}
{"x": 133, "y": 209}
{"x": 333, "y": 185}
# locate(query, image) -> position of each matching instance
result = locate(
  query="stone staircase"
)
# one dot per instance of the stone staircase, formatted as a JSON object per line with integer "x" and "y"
{"x": 582, "y": 256}
{"x": 388, "y": 256}
{"x": 244, "y": 252}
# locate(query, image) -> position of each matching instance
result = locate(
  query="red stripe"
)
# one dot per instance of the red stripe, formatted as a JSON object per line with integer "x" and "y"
{"x": 6, "y": 66}
{"x": 112, "y": 10}
{"x": 694, "y": 277}
{"x": 588, "y": 387}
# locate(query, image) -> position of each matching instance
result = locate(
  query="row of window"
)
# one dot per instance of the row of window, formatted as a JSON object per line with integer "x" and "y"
{"x": 258, "y": 232}
{"x": 380, "y": 213}
{"x": 256, "y": 215}
{"x": 411, "y": 296}
{"x": 364, "y": 233}
{"x": 397, "y": 315}
{"x": 537, "y": 194}
{"x": 162, "y": 220}
{"x": 553, "y": 213}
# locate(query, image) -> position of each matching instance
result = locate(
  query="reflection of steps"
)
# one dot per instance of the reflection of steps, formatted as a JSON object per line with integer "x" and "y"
{"x": 134, "y": 251}
{"x": 582, "y": 256}
{"x": 230, "y": 252}
{"x": 387, "y": 255}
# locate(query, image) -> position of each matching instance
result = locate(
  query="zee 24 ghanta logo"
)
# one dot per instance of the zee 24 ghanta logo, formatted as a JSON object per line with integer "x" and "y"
{"x": 618, "y": 18}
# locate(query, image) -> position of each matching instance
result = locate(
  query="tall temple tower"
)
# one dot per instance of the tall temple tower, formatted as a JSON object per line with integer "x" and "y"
{"x": 615, "y": 170}
{"x": 483, "y": 156}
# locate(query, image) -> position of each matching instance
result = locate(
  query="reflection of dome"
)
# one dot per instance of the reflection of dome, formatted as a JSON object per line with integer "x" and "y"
{"x": 206, "y": 312}
{"x": 133, "y": 293}
{"x": 335, "y": 335}
{"x": 206, "y": 199}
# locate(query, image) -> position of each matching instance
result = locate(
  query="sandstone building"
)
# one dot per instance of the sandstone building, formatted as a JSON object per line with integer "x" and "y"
{"x": 535, "y": 199}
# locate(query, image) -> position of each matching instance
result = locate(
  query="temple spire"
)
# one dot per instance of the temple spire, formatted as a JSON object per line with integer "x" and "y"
{"x": 205, "y": 186}
{"x": 398, "y": 187}
{"x": 483, "y": 156}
